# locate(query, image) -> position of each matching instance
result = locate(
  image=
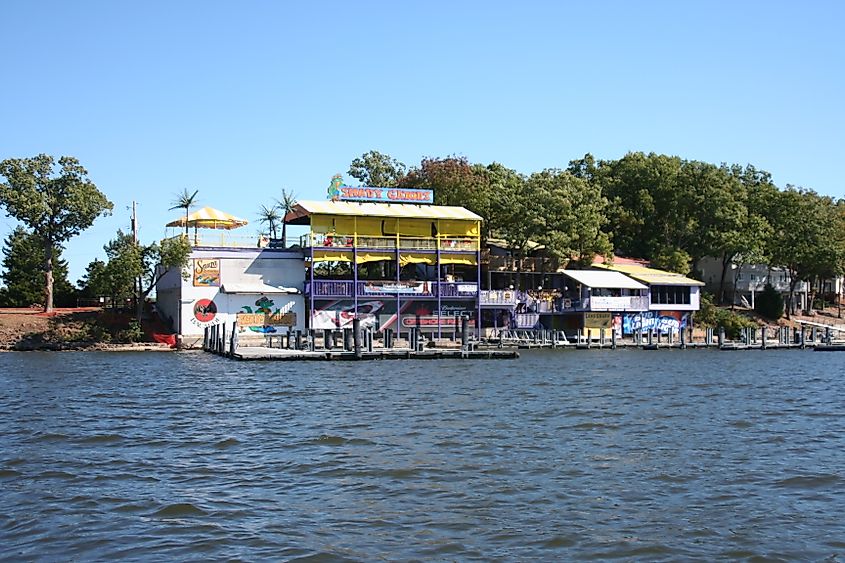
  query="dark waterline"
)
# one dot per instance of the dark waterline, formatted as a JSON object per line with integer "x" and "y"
{"x": 662, "y": 455}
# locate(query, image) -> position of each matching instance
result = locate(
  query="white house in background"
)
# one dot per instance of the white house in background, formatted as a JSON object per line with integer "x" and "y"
{"x": 261, "y": 288}
{"x": 745, "y": 281}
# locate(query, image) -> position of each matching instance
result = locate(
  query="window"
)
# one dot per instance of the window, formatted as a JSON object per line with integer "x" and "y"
{"x": 670, "y": 295}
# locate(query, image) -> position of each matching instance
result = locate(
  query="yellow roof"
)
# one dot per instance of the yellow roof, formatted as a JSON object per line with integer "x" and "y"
{"x": 651, "y": 276}
{"x": 301, "y": 211}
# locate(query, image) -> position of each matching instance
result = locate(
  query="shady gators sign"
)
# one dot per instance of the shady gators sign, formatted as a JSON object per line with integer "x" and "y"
{"x": 265, "y": 316}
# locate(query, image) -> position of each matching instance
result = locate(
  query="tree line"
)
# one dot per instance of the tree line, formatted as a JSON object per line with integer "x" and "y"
{"x": 668, "y": 210}
{"x": 665, "y": 209}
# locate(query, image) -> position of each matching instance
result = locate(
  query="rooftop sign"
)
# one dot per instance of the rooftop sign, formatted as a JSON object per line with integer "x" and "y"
{"x": 338, "y": 191}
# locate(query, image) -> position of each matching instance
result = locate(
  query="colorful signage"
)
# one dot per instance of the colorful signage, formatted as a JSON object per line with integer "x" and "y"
{"x": 402, "y": 287}
{"x": 389, "y": 195}
{"x": 205, "y": 310}
{"x": 338, "y": 191}
{"x": 206, "y": 272}
{"x": 660, "y": 321}
{"x": 263, "y": 319}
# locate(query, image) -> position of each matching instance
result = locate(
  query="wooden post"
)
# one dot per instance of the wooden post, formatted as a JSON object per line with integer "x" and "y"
{"x": 763, "y": 337}
{"x": 233, "y": 342}
{"x": 464, "y": 332}
{"x": 356, "y": 336}
{"x": 613, "y": 339}
{"x": 327, "y": 339}
{"x": 589, "y": 338}
{"x": 721, "y": 340}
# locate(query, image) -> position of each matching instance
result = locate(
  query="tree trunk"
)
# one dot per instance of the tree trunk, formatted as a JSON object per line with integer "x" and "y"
{"x": 48, "y": 277}
{"x": 725, "y": 262}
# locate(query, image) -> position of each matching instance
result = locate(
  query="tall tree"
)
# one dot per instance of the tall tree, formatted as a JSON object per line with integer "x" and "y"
{"x": 569, "y": 216}
{"x": 455, "y": 181}
{"x": 23, "y": 273}
{"x": 376, "y": 169}
{"x": 185, "y": 200}
{"x": 285, "y": 205}
{"x": 56, "y": 206}
{"x": 804, "y": 240}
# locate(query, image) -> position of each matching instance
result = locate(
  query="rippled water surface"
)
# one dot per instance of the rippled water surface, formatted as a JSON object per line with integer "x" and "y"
{"x": 661, "y": 455}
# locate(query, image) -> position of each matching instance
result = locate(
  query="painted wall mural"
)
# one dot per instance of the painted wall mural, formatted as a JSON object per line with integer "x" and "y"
{"x": 381, "y": 314}
{"x": 265, "y": 316}
{"x": 660, "y": 321}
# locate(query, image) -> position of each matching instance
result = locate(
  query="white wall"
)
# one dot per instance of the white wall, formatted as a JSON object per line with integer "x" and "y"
{"x": 177, "y": 297}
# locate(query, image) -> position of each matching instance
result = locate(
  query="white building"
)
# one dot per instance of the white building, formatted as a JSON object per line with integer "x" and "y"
{"x": 745, "y": 281}
{"x": 261, "y": 288}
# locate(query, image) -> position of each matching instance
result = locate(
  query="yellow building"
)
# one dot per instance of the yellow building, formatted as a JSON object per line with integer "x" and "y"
{"x": 391, "y": 265}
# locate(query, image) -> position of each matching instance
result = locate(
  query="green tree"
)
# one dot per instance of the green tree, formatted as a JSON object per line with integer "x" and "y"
{"x": 56, "y": 206}
{"x": 455, "y": 181}
{"x": 804, "y": 240}
{"x": 185, "y": 200}
{"x": 568, "y": 216}
{"x": 376, "y": 169}
{"x": 92, "y": 283}
{"x": 769, "y": 303}
{"x": 130, "y": 260}
{"x": 23, "y": 273}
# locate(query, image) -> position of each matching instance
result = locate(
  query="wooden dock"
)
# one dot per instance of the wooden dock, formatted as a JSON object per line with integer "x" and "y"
{"x": 281, "y": 354}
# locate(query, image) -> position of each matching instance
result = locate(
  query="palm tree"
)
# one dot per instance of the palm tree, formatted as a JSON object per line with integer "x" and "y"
{"x": 285, "y": 205}
{"x": 185, "y": 201}
{"x": 269, "y": 215}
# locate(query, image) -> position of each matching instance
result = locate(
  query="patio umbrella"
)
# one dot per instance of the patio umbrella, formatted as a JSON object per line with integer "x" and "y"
{"x": 209, "y": 218}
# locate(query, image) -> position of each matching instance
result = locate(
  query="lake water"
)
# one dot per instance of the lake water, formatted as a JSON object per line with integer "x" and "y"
{"x": 559, "y": 455}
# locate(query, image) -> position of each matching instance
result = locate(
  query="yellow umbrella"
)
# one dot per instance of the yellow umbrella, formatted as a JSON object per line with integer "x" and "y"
{"x": 209, "y": 218}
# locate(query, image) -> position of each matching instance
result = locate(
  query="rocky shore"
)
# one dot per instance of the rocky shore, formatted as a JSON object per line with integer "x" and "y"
{"x": 28, "y": 329}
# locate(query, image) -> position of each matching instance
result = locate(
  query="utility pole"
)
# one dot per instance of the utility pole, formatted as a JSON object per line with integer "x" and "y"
{"x": 137, "y": 284}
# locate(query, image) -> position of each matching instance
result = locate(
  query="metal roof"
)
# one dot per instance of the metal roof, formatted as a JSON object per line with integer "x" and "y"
{"x": 303, "y": 209}
{"x": 651, "y": 276}
{"x": 603, "y": 279}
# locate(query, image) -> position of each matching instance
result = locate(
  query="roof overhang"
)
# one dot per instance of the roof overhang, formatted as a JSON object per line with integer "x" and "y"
{"x": 255, "y": 288}
{"x": 652, "y": 276}
{"x": 603, "y": 279}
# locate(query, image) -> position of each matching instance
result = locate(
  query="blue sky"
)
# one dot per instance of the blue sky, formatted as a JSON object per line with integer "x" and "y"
{"x": 242, "y": 99}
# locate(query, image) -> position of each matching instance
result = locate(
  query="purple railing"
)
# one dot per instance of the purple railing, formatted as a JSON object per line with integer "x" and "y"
{"x": 343, "y": 288}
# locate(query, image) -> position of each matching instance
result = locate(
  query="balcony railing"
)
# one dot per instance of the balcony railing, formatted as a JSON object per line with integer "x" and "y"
{"x": 511, "y": 264}
{"x": 222, "y": 239}
{"x": 534, "y": 304}
{"x": 455, "y": 244}
{"x": 343, "y": 288}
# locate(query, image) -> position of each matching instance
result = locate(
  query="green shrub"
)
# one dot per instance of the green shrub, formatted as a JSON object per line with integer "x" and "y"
{"x": 769, "y": 303}
{"x": 710, "y": 315}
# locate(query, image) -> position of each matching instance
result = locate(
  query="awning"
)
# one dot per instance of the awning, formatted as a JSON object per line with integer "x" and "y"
{"x": 651, "y": 276}
{"x": 603, "y": 279}
{"x": 256, "y": 288}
